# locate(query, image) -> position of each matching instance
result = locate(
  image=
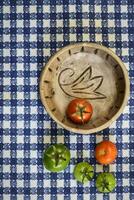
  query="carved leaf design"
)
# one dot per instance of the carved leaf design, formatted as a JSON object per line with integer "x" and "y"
{"x": 84, "y": 86}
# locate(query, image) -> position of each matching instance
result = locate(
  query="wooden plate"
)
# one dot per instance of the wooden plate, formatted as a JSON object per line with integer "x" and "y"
{"x": 90, "y": 71}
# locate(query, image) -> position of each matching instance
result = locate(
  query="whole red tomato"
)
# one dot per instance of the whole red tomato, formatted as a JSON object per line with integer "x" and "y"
{"x": 79, "y": 111}
{"x": 105, "y": 152}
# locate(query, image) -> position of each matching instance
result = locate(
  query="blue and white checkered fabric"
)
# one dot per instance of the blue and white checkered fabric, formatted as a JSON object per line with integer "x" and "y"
{"x": 30, "y": 32}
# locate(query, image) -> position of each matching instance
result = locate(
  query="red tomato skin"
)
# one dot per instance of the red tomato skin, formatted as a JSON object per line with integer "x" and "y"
{"x": 73, "y": 108}
{"x": 106, "y": 152}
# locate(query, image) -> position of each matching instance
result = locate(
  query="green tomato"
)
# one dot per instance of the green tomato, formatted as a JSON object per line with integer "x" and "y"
{"x": 105, "y": 182}
{"x": 56, "y": 158}
{"x": 83, "y": 172}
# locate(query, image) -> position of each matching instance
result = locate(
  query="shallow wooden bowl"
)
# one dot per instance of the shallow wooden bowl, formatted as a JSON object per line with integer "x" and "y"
{"x": 90, "y": 71}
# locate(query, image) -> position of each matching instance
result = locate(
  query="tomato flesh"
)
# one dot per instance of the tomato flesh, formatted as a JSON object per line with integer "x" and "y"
{"x": 79, "y": 111}
{"x": 105, "y": 152}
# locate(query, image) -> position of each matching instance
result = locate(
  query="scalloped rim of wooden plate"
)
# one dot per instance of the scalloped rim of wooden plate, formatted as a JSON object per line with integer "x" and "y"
{"x": 126, "y": 79}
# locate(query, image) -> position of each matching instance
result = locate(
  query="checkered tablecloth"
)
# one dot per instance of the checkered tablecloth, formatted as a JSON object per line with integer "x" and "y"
{"x": 30, "y": 32}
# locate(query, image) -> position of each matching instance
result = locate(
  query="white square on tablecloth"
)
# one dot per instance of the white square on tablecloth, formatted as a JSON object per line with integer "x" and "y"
{"x": 6, "y": 124}
{"x": 73, "y": 183}
{"x": 6, "y": 9}
{"x": 59, "y": 8}
{"x": 19, "y": 168}
{"x": 59, "y": 37}
{"x": 113, "y": 125}
{"x": 125, "y": 168}
{"x": 6, "y": 52}
{"x": 33, "y": 80}
{"x": 6, "y": 139}
{"x": 59, "y": 22}
{"x": 111, "y": 23}
{"x": 20, "y": 52}
{"x": 33, "y": 95}
{"x": 98, "y": 8}
{"x": 85, "y": 22}
{"x": 33, "y": 139}
{"x": 33, "y": 110}
{"x": 47, "y": 37}
{"x": 86, "y": 36}
{"x": 33, "y": 183}
{"x": 19, "y": 9}
{"x": 113, "y": 196}
{"x": 125, "y": 138}
{"x": 86, "y": 153}
{"x": 125, "y": 152}
{"x": 20, "y": 23}
{"x": 47, "y": 183}
{"x": 6, "y": 153}
{"x": 20, "y": 183}
{"x": 21, "y": 197}
{"x": 33, "y": 169}
{"x": 111, "y": 8}
{"x": 111, "y": 37}
{"x": 47, "y": 52}
{"x": 20, "y": 66}
{"x": 60, "y": 183}
{"x": 124, "y": 37}
{"x": 112, "y": 138}
{"x": 125, "y": 124}
{"x": 86, "y": 139}
{"x": 33, "y": 125}
{"x": 98, "y": 23}
{"x": 20, "y": 37}
{"x": 46, "y": 23}
{"x": 33, "y": 23}
{"x": 47, "y": 139}
{"x": 6, "y": 66}
{"x": 33, "y": 153}
{"x": 46, "y": 9}
{"x": 20, "y": 139}
{"x": 20, "y": 124}
{"x": 20, "y": 81}
{"x": 20, "y": 153}
{"x": 112, "y": 167}
{"x": 124, "y": 23}
{"x": 33, "y": 52}
{"x": 33, "y": 9}
{"x": 73, "y": 139}
{"x": 20, "y": 96}
{"x": 98, "y": 37}
{"x": 6, "y": 183}
{"x": 72, "y": 23}
{"x": 126, "y": 182}
{"x": 99, "y": 196}
{"x": 72, "y": 8}
{"x": 124, "y": 8}
{"x": 6, "y": 38}
{"x": 32, "y": 37}
{"x": 60, "y": 197}
{"x": 99, "y": 138}
{"x": 6, "y": 168}
{"x": 60, "y": 139}
{"x": 74, "y": 196}
{"x": 99, "y": 168}
{"x": 6, "y": 110}
{"x": 20, "y": 109}
{"x": 6, "y": 23}
{"x": 125, "y": 51}
{"x": 85, "y": 8}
